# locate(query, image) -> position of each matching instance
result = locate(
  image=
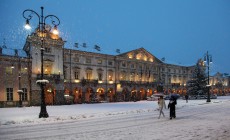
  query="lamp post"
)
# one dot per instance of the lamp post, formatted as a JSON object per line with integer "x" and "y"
{"x": 208, "y": 60}
{"x": 28, "y": 15}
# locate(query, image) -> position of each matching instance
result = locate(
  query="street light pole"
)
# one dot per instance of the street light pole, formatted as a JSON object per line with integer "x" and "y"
{"x": 208, "y": 57}
{"x": 28, "y": 14}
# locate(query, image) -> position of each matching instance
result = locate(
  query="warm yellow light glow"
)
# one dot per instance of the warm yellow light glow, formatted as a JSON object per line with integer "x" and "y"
{"x": 77, "y": 81}
{"x": 55, "y": 31}
{"x": 100, "y": 82}
{"x": 27, "y": 26}
{"x": 49, "y": 90}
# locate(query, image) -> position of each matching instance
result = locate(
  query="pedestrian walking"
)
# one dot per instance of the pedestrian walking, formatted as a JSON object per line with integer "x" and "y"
{"x": 172, "y": 106}
{"x": 186, "y": 98}
{"x": 161, "y": 103}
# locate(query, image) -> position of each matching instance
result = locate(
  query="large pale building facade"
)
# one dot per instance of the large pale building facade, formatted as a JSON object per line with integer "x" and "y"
{"x": 86, "y": 77}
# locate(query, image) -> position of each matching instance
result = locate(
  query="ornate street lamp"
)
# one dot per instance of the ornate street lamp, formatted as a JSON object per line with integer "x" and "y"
{"x": 28, "y": 15}
{"x": 208, "y": 60}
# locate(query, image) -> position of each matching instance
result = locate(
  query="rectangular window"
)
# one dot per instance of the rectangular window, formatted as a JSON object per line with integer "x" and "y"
{"x": 88, "y": 75}
{"x": 100, "y": 76}
{"x": 24, "y": 94}
{"x": 132, "y": 66}
{"x": 65, "y": 57}
{"x": 110, "y": 63}
{"x": 47, "y": 50}
{"x": 76, "y": 75}
{"x": 88, "y": 60}
{"x": 76, "y": 58}
{"x": 9, "y": 94}
{"x": 9, "y": 70}
{"x": 123, "y": 64}
{"x": 24, "y": 70}
{"x": 99, "y": 61}
{"x": 64, "y": 73}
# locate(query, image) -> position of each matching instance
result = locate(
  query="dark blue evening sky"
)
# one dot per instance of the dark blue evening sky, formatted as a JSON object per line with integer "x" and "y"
{"x": 182, "y": 31}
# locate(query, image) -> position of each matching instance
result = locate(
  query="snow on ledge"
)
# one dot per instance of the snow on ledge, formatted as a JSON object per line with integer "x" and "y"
{"x": 20, "y": 91}
{"x": 42, "y": 81}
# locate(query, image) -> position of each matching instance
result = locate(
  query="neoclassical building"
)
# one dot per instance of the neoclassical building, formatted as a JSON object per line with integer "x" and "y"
{"x": 85, "y": 77}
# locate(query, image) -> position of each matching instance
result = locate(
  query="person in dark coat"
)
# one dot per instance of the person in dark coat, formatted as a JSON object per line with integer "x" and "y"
{"x": 186, "y": 98}
{"x": 172, "y": 106}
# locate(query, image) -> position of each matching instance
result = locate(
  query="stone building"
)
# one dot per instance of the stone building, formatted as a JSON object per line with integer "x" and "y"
{"x": 133, "y": 75}
{"x": 85, "y": 77}
{"x": 220, "y": 84}
{"x": 14, "y": 73}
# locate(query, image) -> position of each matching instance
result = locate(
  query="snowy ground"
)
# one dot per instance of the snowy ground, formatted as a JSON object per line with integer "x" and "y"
{"x": 196, "y": 120}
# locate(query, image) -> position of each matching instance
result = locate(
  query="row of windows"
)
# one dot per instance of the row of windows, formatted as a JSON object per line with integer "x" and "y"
{"x": 89, "y": 75}
{"x": 9, "y": 94}
{"x": 89, "y": 60}
{"x": 174, "y": 70}
{"x": 9, "y": 70}
{"x": 140, "y": 67}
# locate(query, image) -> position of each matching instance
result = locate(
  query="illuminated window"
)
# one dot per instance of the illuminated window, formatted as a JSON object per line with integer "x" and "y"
{"x": 24, "y": 70}
{"x": 9, "y": 70}
{"x": 110, "y": 75}
{"x": 99, "y": 61}
{"x": 88, "y": 73}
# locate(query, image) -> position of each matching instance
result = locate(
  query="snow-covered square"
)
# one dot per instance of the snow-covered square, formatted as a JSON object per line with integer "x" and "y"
{"x": 120, "y": 121}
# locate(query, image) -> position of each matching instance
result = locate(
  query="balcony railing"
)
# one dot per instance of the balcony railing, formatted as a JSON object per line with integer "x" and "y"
{"x": 55, "y": 77}
{"x": 137, "y": 83}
